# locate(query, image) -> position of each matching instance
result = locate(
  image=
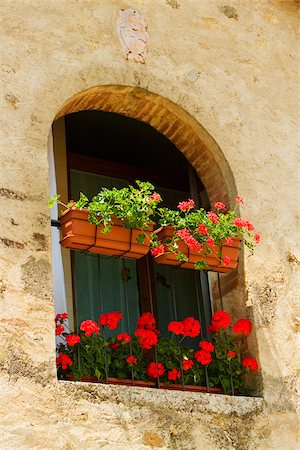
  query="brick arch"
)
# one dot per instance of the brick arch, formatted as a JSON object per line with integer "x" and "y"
{"x": 169, "y": 119}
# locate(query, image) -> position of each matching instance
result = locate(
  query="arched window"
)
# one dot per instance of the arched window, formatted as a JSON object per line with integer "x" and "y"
{"x": 107, "y": 149}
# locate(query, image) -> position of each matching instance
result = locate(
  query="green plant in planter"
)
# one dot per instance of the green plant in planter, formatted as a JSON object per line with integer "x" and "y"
{"x": 134, "y": 206}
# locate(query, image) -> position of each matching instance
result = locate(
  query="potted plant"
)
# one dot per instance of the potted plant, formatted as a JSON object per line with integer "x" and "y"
{"x": 116, "y": 222}
{"x": 148, "y": 360}
{"x": 197, "y": 239}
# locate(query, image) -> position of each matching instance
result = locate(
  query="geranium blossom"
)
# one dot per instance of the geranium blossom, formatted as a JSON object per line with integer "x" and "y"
{"x": 205, "y": 345}
{"x": 155, "y": 197}
{"x": 72, "y": 339}
{"x": 226, "y": 260}
{"x": 251, "y": 363}
{"x": 239, "y": 200}
{"x": 203, "y": 357}
{"x": 131, "y": 360}
{"x": 61, "y": 317}
{"x": 155, "y": 370}
{"x": 89, "y": 327}
{"x": 187, "y": 364}
{"x": 59, "y": 329}
{"x": 64, "y": 361}
{"x": 114, "y": 346}
{"x": 242, "y": 326}
{"x": 202, "y": 229}
{"x": 221, "y": 319}
{"x": 210, "y": 241}
{"x": 213, "y": 217}
{"x": 191, "y": 327}
{"x": 190, "y": 241}
{"x": 146, "y": 321}
{"x": 186, "y": 206}
{"x": 231, "y": 354}
{"x": 123, "y": 337}
{"x": 176, "y": 327}
{"x": 146, "y": 338}
{"x": 229, "y": 241}
{"x": 174, "y": 374}
{"x": 157, "y": 251}
{"x": 257, "y": 238}
{"x": 110, "y": 319}
{"x": 219, "y": 205}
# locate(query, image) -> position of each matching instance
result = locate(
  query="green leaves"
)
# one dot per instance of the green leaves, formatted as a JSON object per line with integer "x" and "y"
{"x": 53, "y": 200}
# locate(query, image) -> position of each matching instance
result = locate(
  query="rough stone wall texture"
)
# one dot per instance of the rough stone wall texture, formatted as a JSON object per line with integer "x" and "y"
{"x": 233, "y": 67}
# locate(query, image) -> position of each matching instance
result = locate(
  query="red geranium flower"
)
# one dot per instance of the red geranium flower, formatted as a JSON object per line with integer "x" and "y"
{"x": 174, "y": 374}
{"x": 64, "y": 361}
{"x": 226, "y": 260}
{"x": 176, "y": 327}
{"x": 187, "y": 363}
{"x": 154, "y": 370}
{"x": 210, "y": 241}
{"x": 229, "y": 241}
{"x": 191, "y": 327}
{"x": 231, "y": 354}
{"x": 211, "y": 329}
{"x": 146, "y": 322}
{"x": 221, "y": 319}
{"x": 207, "y": 346}
{"x": 157, "y": 251}
{"x": 219, "y": 205}
{"x": 89, "y": 327}
{"x": 61, "y": 317}
{"x": 114, "y": 346}
{"x": 186, "y": 206}
{"x": 131, "y": 360}
{"x": 213, "y": 217}
{"x": 190, "y": 241}
{"x": 257, "y": 238}
{"x": 123, "y": 337}
{"x": 72, "y": 339}
{"x": 202, "y": 229}
{"x": 59, "y": 329}
{"x": 251, "y": 363}
{"x": 146, "y": 338}
{"x": 110, "y": 319}
{"x": 239, "y": 200}
{"x": 203, "y": 357}
{"x": 242, "y": 326}
{"x": 155, "y": 197}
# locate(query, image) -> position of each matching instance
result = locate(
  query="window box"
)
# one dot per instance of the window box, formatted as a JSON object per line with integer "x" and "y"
{"x": 214, "y": 260}
{"x": 79, "y": 234}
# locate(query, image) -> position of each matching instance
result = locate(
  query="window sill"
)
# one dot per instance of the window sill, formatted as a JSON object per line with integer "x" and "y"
{"x": 173, "y": 400}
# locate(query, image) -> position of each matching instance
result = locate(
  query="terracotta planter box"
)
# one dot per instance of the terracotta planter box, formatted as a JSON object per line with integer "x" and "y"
{"x": 111, "y": 380}
{"x": 213, "y": 259}
{"x": 191, "y": 388}
{"x": 79, "y": 234}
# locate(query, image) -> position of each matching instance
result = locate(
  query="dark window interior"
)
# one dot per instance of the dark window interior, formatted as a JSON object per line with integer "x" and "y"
{"x": 107, "y": 149}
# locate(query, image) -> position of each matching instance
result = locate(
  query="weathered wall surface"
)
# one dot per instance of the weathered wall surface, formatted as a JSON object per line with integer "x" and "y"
{"x": 232, "y": 67}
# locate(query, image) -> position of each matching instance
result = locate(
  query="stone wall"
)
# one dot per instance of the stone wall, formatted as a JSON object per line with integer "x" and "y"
{"x": 232, "y": 68}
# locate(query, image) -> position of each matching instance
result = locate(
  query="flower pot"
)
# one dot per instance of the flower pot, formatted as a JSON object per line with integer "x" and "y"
{"x": 191, "y": 388}
{"x": 214, "y": 259}
{"x": 111, "y": 380}
{"x": 79, "y": 234}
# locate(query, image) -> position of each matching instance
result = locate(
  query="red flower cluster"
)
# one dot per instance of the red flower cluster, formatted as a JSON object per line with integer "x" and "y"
{"x": 207, "y": 346}
{"x": 239, "y": 200}
{"x": 61, "y": 317}
{"x": 110, "y": 319}
{"x": 210, "y": 241}
{"x": 219, "y": 205}
{"x": 190, "y": 241}
{"x": 72, "y": 339}
{"x": 174, "y": 374}
{"x": 146, "y": 338}
{"x": 157, "y": 251}
{"x": 187, "y": 363}
{"x": 89, "y": 327}
{"x": 226, "y": 260}
{"x": 229, "y": 241}
{"x": 59, "y": 329}
{"x": 251, "y": 363}
{"x": 231, "y": 354}
{"x": 241, "y": 223}
{"x": 257, "y": 238}
{"x": 188, "y": 327}
{"x": 213, "y": 217}
{"x": 146, "y": 321}
{"x": 186, "y": 206}
{"x": 176, "y": 327}
{"x": 242, "y": 326}
{"x": 203, "y": 357}
{"x": 114, "y": 346}
{"x": 64, "y": 361}
{"x": 123, "y": 337}
{"x": 221, "y": 319}
{"x": 202, "y": 229}
{"x": 155, "y": 197}
{"x": 155, "y": 370}
{"x": 131, "y": 360}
